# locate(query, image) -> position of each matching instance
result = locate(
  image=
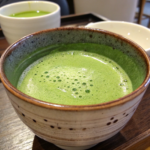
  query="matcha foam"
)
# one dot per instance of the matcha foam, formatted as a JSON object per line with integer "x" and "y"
{"x": 75, "y": 78}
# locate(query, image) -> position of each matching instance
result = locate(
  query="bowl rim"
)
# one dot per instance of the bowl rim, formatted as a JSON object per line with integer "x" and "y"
{"x": 29, "y": 18}
{"x": 49, "y": 105}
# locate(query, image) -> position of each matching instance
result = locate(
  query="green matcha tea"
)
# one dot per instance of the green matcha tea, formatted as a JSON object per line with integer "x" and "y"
{"x": 75, "y": 77}
{"x": 30, "y": 13}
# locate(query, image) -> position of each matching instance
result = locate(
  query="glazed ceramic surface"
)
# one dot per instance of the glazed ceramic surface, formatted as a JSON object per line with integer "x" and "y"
{"x": 67, "y": 126}
{"x": 132, "y": 31}
{"x": 15, "y": 28}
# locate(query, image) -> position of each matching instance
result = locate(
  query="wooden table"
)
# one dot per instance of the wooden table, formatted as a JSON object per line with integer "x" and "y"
{"x": 14, "y": 135}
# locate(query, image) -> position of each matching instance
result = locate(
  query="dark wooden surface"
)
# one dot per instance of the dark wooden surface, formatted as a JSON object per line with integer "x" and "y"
{"x": 14, "y": 135}
{"x": 3, "y": 45}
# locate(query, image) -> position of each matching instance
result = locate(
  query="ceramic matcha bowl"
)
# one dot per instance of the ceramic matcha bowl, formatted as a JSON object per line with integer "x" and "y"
{"x": 74, "y": 127}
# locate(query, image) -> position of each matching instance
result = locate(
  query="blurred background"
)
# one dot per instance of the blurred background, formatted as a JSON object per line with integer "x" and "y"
{"x": 137, "y": 11}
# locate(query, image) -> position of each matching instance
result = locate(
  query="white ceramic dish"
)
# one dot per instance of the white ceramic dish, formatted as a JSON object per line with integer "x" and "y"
{"x": 132, "y": 31}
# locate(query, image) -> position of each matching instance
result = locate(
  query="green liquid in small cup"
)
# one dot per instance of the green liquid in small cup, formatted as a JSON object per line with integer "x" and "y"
{"x": 75, "y": 77}
{"x": 30, "y": 14}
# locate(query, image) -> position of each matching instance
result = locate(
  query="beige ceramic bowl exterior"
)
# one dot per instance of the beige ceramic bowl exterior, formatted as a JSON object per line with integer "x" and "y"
{"x": 15, "y": 28}
{"x": 74, "y": 130}
{"x": 74, "y": 127}
{"x": 132, "y": 31}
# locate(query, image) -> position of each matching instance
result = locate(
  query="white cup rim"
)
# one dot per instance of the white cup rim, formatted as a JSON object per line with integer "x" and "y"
{"x": 29, "y": 18}
{"x": 123, "y": 22}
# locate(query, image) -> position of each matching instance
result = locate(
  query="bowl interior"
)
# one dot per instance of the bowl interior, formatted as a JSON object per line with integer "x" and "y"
{"x": 24, "y": 52}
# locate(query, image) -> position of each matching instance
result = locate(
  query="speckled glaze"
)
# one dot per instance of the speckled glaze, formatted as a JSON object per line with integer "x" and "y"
{"x": 71, "y": 127}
